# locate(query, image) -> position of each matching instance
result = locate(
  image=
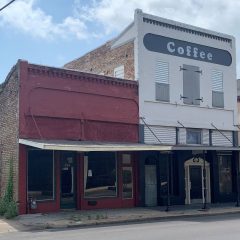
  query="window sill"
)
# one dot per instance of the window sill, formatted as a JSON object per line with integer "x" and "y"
{"x": 187, "y": 105}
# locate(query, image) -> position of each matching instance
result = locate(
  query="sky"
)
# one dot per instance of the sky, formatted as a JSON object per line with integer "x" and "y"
{"x": 54, "y": 32}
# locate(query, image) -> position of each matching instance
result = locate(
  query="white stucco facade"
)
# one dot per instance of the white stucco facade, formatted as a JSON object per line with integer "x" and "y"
{"x": 174, "y": 115}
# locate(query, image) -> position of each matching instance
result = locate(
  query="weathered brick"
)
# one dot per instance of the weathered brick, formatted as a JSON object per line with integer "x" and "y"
{"x": 104, "y": 60}
{"x": 9, "y": 129}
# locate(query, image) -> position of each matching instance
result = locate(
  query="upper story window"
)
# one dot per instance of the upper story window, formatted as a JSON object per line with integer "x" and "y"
{"x": 162, "y": 81}
{"x": 119, "y": 72}
{"x": 217, "y": 89}
{"x": 191, "y": 85}
{"x": 194, "y": 136}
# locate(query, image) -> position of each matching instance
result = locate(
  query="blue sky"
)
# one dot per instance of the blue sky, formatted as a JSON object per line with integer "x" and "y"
{"x": 54, "y": 32}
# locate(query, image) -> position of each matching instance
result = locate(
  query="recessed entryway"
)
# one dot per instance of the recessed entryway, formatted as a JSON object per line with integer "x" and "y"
{"x": 194, "y": 187}
{"x": 68, "y": 196}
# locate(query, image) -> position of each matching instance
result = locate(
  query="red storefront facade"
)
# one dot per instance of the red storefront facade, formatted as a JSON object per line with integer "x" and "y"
{"x": 62, "y": 105}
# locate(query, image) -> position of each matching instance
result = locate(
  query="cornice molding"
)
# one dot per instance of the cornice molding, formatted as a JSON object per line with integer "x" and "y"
{"x": 77, "y": 75}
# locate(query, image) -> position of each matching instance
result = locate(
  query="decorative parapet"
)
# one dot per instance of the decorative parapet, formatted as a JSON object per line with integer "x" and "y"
{"x": 83, "y": 76}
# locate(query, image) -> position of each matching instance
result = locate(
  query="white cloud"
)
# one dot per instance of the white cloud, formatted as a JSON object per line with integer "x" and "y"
{"x": 98, "y": 18}
{"x": 25, "y": 16}
{"x": 218, "y": 15}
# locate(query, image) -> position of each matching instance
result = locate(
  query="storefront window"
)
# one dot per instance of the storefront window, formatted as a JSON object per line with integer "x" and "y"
{"x": 225, "y": 174}
{"x": 100, "y": 175}
{"x": 127, "y": 182}
{"x": 41, "y": 174}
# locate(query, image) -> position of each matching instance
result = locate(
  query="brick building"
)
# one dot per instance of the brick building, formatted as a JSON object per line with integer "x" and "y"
{"x": 68, "y": 134}
{"x": 108, "y": 60}
{"x": 75, "y": 133}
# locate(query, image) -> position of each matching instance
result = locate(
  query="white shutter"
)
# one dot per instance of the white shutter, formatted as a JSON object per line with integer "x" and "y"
{"x": 182, "y": 136}
{"x": 166, "y": 135}
{"x": 217, "y": 81}
{"x": 217, "y": 89}
{"x": 162, "y": 72}
{"x": 119, "y": 72}
{"x": 219, "y": 140}
{"x": 205, "y": 137}
{"x": 162, "y": 81}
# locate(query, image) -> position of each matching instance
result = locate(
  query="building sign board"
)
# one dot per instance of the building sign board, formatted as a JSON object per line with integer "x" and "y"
{"x": 171, "y": 46}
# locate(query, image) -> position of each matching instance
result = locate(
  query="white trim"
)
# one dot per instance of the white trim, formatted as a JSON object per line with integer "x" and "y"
{"x": 121, "y": 34}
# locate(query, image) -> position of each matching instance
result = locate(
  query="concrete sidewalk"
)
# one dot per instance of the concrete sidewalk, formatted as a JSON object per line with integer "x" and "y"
{"x": 75, "y": 218}
{"x": 6, "y": 227}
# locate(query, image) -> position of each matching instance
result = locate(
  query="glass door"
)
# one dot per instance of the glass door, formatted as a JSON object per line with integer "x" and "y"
{"x": 68, "y": 176}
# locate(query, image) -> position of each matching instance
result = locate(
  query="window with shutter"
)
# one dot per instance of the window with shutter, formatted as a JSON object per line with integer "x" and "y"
{"x": 191, "y": 85}
{"x": 162, "y": 81}
{"x": 119, "y": 72}
{"x": 217, "y": 89}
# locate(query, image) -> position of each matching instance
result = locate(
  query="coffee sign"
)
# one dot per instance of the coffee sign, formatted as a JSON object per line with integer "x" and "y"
{"x": 171, "y": 46}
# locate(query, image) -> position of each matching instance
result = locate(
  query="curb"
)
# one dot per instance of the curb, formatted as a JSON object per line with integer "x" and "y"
{"x": 127, "y": 221}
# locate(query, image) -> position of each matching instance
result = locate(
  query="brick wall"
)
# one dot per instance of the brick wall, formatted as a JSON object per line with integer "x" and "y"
{"x": 65, "y": 104}
{"x": 104, "y": 60}
{"x": 9, "y": 129}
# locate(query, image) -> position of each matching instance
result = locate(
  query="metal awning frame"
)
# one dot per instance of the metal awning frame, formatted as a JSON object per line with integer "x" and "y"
{"x": 89, "y": 146}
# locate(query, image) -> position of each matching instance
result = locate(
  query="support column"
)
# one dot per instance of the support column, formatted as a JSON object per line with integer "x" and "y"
{"x": 204, "y": 183}
{"x": 237, "y": 178}
{"x": 168, "y": 181}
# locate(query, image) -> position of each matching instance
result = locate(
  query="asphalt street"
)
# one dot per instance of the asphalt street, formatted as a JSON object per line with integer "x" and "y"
{"x": 207, "y": 228}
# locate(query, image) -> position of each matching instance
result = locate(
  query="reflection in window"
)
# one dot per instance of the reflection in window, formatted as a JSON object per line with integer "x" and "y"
{"x": 194, "y": 136}
{"x": 40, "y": 175}
{"x": 225, "y": 174}
{"x": 127, "y": 182}
{"x": 100, "y": 179}
{"x": 172, "y": 169}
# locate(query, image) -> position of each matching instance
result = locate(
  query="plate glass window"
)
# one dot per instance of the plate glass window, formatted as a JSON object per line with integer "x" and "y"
{"x": 100, "y": 175}
{"x": 41, "y": 174}
{"x": 194, "y": 136}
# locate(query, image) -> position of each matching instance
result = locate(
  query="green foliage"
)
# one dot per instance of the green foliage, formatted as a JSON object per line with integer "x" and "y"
{"x": 8, "y": 207}
{"x": 3, "y": 207}
{"x": 8, "y": 196}
{"x": 11, "y": 211}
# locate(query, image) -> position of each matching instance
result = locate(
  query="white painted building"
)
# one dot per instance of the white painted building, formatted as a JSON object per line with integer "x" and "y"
{"x": 187, "y": 81}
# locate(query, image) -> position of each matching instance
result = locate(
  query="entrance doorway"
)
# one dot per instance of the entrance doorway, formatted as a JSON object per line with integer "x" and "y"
{"x": 68, "y": 176}
{"x": 150, "y": 185}
{"x": 194, "y": 187}
{"x": 195, "y": 173}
